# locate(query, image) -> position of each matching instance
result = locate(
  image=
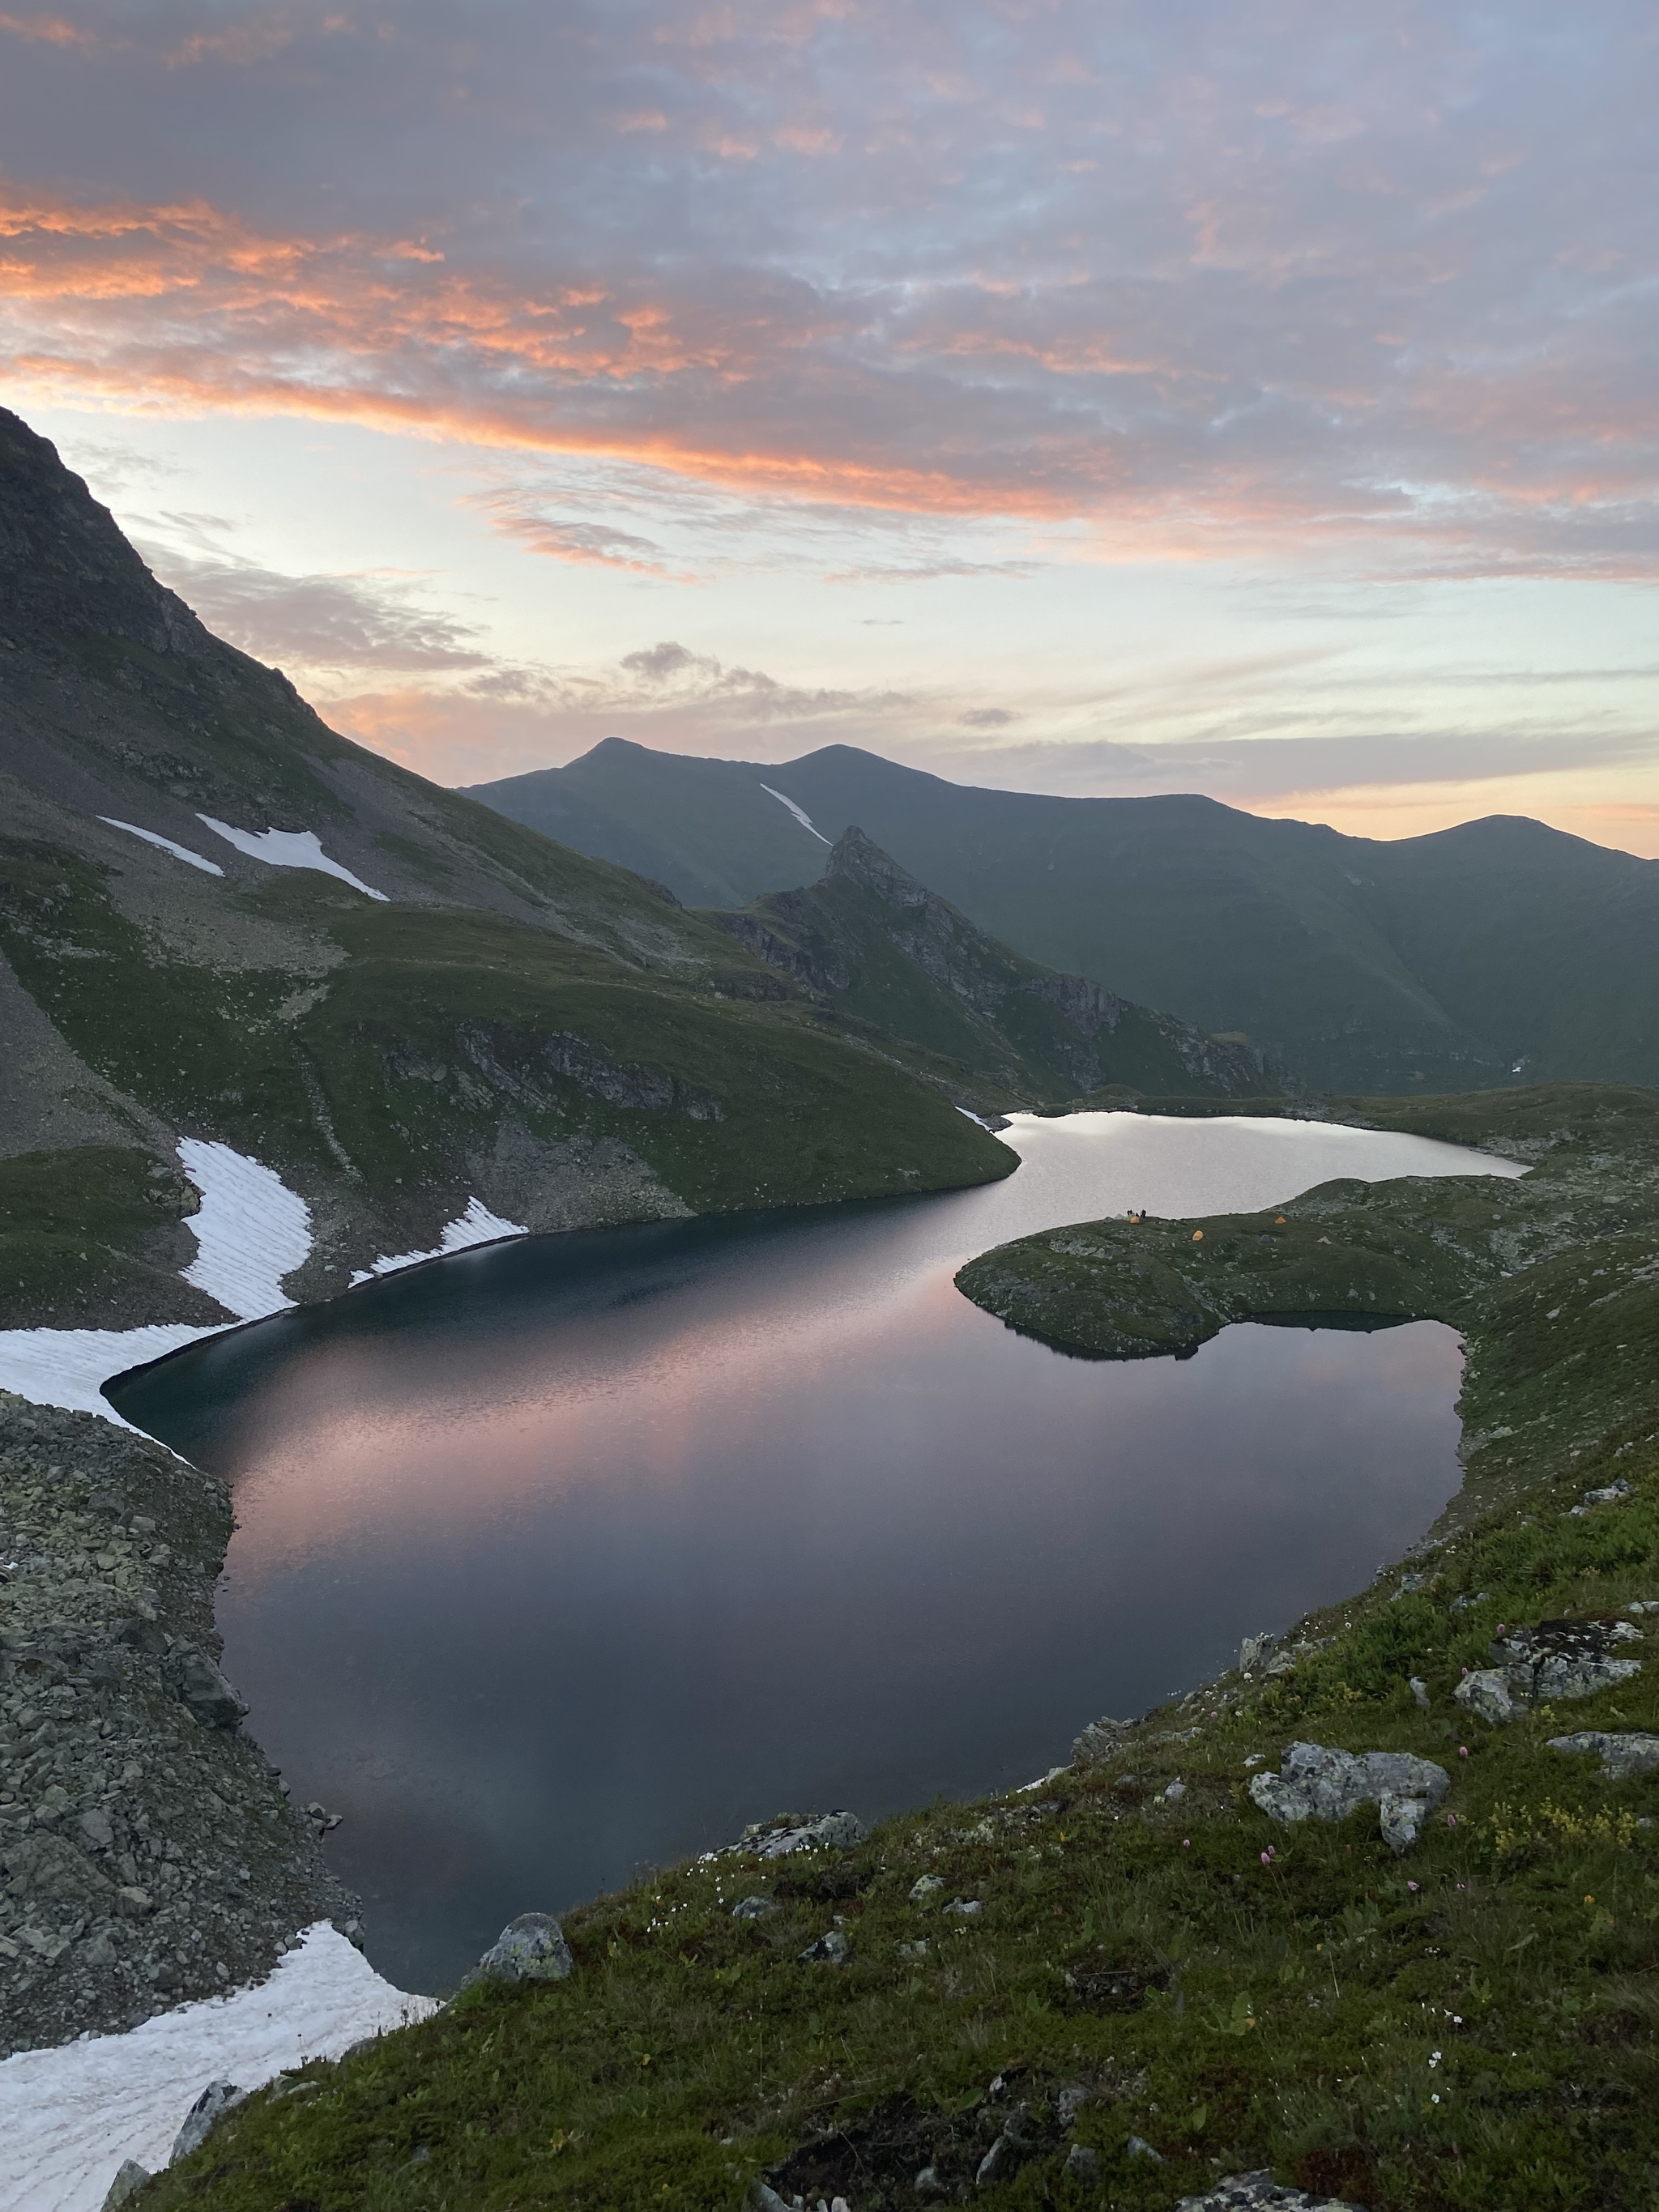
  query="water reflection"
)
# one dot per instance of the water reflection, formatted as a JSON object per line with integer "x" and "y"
{"x": 581, "y": 1552}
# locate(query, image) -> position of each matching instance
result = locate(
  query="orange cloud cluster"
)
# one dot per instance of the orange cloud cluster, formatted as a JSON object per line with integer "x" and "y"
{"x": 189, "y": 308}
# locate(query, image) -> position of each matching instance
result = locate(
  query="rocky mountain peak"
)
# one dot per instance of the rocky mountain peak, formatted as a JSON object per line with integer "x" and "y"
{"x": 64, "y": 565}
{"x": 858, "y": 860}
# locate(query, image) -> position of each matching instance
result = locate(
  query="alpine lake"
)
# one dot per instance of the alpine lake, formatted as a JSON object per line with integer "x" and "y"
{"x": 573, "y": 1555}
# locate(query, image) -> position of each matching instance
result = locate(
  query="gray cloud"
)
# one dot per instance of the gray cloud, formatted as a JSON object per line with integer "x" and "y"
{"x": 352, "y": 625}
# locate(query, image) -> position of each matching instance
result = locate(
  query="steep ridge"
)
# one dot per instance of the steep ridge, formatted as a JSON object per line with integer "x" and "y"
{"x": 1499, "y": 951}
{"x": 893, "y": 962}
{"x": 221, "y": 921}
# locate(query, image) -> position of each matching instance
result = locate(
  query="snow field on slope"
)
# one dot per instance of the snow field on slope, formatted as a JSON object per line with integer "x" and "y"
{"x": 477, "y": 1225}
{"x": 165, "y": 845}
{"x": 70, "y": 2116}
{"x": 288, "y": 848}
{"x": 251, "y": 1228}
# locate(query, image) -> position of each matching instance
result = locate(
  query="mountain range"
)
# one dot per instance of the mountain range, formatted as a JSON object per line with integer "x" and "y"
{"x": 1499, "y": 951}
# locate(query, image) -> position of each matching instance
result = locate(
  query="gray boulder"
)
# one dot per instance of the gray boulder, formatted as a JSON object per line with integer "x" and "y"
{"x": 1401, "y": 1819}
{"x": 127, "y": 2183}
{"x": 218, "y": 2097}
{"x": 1489, "y": 1695}
{"x": 802, "y": 1831}
{"x": 753, "y": 1908}
{"x": 199, "y": 1685}
{"x": 1260, "y": 2192}
{"x": 1622, "y": 1753}
{"x": 1614, "y": 1493}
{"x": 832, "y": 1949}
{"x": 1315, "y": 1784}
{"x": 531, "y": 1949}
{"x": 1101, "y": 1740}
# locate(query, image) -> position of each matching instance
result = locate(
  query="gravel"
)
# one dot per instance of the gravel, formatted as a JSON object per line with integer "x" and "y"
{"x": 148, "y": 1853}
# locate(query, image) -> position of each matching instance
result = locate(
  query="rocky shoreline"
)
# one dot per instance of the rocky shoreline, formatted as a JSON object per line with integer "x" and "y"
{"x": 149, "y": 1851}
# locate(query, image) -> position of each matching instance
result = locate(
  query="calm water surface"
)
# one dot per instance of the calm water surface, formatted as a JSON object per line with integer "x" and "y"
{"x": 578, "y": 1553}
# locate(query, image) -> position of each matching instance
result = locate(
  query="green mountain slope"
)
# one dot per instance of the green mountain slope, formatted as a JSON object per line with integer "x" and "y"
{"x": 892, "y": 961}
{"x": 1436, "y": 961}
{"x": 503, "y": 1019}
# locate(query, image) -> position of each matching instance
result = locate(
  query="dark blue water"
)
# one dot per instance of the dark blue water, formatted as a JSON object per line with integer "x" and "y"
{"x": 577, "y": 1554}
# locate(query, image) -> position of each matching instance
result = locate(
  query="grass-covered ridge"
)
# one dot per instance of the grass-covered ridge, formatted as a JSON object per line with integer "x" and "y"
{"x": 1474, "y": 2026}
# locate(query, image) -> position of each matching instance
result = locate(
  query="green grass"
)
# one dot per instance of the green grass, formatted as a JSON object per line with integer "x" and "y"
{"x": 80, "y": 1230}
{"x": 1472, "y": 2028}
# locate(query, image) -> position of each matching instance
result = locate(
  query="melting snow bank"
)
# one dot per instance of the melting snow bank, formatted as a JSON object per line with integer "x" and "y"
{"x": 165, "y": 845}
{"x": 68, "y": 2117}
{"x": 477, "y": 1225}
{"x": 251, "y": 1231}
{"x": 69, "y": 1367}
{"x": 288, "y": 848}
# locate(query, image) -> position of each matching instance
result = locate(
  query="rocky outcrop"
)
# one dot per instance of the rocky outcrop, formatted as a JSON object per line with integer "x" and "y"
{"x": 1315, "y": 1784}
{"x": 789, "y": 1832}
{"x": 1260, "y": 2192}
{"x": 1555, "y": 1661}
{"x": 1622, "y": 1753}
{"x": 148, "y": 1852}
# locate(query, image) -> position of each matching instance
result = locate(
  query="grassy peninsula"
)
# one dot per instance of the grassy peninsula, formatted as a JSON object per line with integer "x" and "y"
{"x": 1156, "y": 1973}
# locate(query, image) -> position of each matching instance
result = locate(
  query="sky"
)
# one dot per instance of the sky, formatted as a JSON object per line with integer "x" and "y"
{"x": 1251, "y": 397}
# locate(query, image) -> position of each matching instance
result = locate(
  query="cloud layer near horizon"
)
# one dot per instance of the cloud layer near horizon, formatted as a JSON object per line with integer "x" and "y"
{"x": 1206, "y": 274}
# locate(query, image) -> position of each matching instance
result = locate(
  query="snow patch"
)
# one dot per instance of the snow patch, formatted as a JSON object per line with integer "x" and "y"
{"x": 800, "y": 813}
{"x": 165, "y": 845}
{"x": 251, "y": 1231}
{"x": 251, "y": 1228}
{"x": 69, "y": 2116}
{"x": 289, "y": 849}
{"x": 67, "y": 1367}
{"x": 477, "y": 1225}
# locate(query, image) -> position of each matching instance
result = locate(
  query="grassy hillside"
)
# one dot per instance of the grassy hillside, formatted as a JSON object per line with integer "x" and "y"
{"x": 508, "y": 1019}
{"x": 1437, "y": 962}
{"x": 1156, "y": 1973}
{"x": 895, "y": 966}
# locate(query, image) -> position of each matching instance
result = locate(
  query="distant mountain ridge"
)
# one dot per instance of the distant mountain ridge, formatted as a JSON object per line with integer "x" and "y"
{"x": 1502, "y": 950}
{"x": 891, "y": 961}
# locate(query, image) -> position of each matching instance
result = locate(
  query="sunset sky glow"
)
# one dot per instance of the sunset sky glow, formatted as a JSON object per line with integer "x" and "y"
{"x": 1257, "y": 398}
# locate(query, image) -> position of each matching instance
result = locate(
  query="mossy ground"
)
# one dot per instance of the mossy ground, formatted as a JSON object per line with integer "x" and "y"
{"x": 95, "y": 1229}
{"x": 1474, "y": 2026}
